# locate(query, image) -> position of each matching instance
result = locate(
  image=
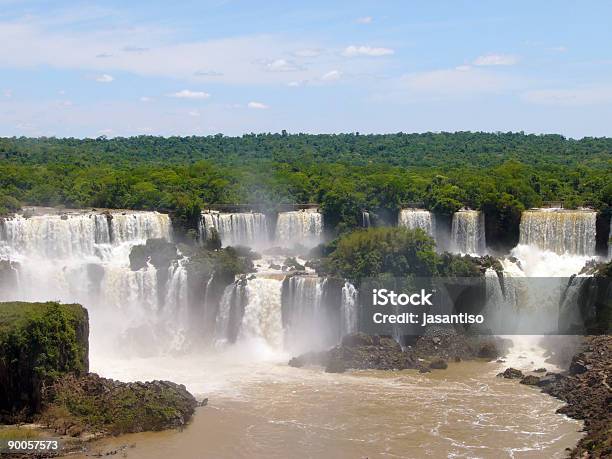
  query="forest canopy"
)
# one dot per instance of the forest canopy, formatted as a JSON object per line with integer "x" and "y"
{"x": 501, "y": 173}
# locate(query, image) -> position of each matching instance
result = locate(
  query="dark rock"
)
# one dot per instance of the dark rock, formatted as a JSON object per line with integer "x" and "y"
{"x": 549, "y": 379}
{"x": 586, "y": 390}
{"x": 540, "y": 370}
{"x": 335, "y": 366}
{"x": 530, "y": 380}
{"x": 296, "y": 362}
{"x": 438, "y": 364}
{"x": 488, "y": 350}
{"x": 511, "y": 373}
{"x": 578, "y": 365}
{"x": 357, "y": 339}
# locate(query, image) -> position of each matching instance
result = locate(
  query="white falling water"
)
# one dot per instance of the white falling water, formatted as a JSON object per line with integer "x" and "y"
{"x": 365, "y": 219}
{"x": 308, "y": 325}
{"x": 468, "y": 232}
{"x": 304, "y": 227}
{"x": 83, "y": 257}
{"x": 418, "y": 219}
{"x": 223, "y": 317}
{"x": 610, "y": 242}
{"x": 262, "y": 321}
{"x": 534, "y": 282}
{"x": 348, "y": 311}
{"x": 245, "y": 228}
{"x": 560, "y": 231}
{"x": 496, "y": 301}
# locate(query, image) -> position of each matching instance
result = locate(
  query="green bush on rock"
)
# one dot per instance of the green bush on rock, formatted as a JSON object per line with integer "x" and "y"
{"x": 38, "y": 342}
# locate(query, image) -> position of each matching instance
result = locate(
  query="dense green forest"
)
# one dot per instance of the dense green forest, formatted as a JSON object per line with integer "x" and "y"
{"x": 500, "y": 173}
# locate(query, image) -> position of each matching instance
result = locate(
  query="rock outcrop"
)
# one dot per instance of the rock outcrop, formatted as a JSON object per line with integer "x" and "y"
{"x": 362, "y": 351}
{"x": 587, "y": 390}
{"x": 44, "y": 377}
{"x": 75, "y": 404}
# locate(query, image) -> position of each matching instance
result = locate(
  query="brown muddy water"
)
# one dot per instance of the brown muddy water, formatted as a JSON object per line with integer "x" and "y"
{"x": 274, "y": 411}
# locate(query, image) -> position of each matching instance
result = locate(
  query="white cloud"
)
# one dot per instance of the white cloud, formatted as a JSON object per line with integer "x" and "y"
{"x": 457, "y": 82}
{"x": 559, "y": 49}
{"x": 354, "y": 51}
{"x": 194, "y": 113}
{"x": 333, "y": 75}
{"x": 135, "y": 49}
{"x": 188, "y": 94}
{"x": 495, "y": 59}
{"x": 308, "y": 52}
{"x": 233, "y": 60}
{"x": 282, "y": 65}
{"x": 297, "y": 84}
{"x": 569, "y": 97}
{"x": 364, "y": 20}
{"x": 145, "y": 99}
{"x": 8, "y": 93}
{"x": 105, "y": 78}
{"x": 205, "y": 73}
{"x": 257, "y": 105}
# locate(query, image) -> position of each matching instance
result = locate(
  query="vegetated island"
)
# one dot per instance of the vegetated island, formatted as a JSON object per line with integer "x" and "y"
{"x": 45, "y": 380}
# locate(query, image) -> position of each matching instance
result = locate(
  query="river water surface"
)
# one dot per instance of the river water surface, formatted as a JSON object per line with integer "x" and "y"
{"x": 269, "y": 410}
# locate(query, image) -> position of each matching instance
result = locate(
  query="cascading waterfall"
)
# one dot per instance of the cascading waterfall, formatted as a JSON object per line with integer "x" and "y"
{"x": 261, "y": 323}
{"x": 560, "y": 231}
{"x": 304, "y": 227}
{"x": 534, "y": 282}
{"x": 348, "y": 311}
{"x": 418, "y": 219}
{"x": 305, "y": 318}
{"x": 365, "y": 219}
{"x": 468, "y": 232}
{"x": 81, "y": 256}
{"x": 610, "y": 242}
{"x": 245, "y": 228}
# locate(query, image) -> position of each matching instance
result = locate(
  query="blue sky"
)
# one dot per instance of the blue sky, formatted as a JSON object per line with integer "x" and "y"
{"x": 73, "y": 69}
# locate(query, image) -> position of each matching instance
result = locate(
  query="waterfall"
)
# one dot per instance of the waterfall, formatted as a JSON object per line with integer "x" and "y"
{"x": 418, "y": 219}
{"x": 495, "y": 301}
{"x": 610, "y": 242}
{"x": 223, "y": 316}
{"x": 365, "y": 219}
{"x": 304, "y": 227}
{"x": 231, "y": 313}
{"x": 80, "y": 235}
{"x": 246, "y": 228}
{"x": 83, "y": 256}
{"x": 468, "y": 232}
{"x": 262, "y": 320}
{"x": 306, "y": 320}
{"x": 560, "y": 231}
{"x": 348, "y": 311}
